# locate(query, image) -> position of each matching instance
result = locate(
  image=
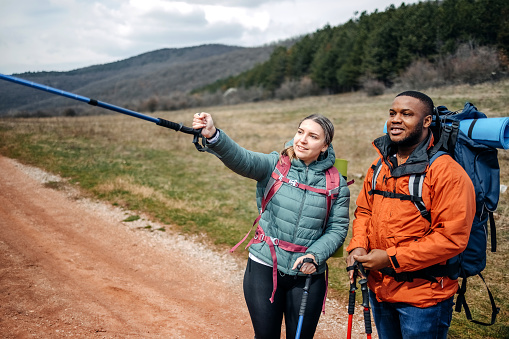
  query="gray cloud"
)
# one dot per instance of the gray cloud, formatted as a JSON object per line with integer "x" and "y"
{"x": 234, "y": 3}
{"x": 48, "y": 35}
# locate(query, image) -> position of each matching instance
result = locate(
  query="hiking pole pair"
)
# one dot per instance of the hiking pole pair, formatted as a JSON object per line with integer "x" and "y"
{"x": 304, "y": 300}
{"x": 357, "y": 267}
{"x": 158, "y": 121}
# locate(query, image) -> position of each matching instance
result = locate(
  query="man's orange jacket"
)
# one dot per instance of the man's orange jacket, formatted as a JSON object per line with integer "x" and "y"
{"x": 398, "y": 227}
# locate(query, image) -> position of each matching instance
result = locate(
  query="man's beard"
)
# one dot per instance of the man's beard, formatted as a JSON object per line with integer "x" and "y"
{"x": 413, "y": 139}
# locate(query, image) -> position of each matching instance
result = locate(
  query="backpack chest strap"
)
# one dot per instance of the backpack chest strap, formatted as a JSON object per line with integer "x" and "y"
{"x": 415, "y": 182}
{"x": 295, "y": 183}
{"x": 331, "y": 191}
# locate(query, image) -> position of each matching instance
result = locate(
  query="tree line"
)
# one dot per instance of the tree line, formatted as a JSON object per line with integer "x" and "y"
{"x": 380, "y": 46}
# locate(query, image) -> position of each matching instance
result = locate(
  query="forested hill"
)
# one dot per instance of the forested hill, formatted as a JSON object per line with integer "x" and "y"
{"x": 382, "y": 45}
{"x": 131, "y": 82}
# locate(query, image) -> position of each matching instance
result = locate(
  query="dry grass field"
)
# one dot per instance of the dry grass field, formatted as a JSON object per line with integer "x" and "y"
{"x": 142, "y": 167}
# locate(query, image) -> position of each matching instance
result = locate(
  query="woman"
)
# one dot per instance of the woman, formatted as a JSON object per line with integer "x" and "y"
{"x": 293, "y": 215}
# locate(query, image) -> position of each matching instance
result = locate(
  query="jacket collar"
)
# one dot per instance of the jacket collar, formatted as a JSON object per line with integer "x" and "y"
{"x": 417, "y": 161}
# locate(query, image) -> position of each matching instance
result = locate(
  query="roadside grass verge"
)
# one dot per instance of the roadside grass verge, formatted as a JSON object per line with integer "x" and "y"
{"x": 157, "y": 172}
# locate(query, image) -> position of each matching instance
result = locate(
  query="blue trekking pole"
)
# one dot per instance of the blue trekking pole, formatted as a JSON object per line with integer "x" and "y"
{"x": 158, "y": 121}
{"x": 304, "y": 300}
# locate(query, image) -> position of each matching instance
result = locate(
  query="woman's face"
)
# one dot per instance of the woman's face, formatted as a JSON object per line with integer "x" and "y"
{"x": 309, "y": 141}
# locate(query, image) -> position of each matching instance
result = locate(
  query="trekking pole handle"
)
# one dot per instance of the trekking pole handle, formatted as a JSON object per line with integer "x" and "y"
{"x": 365, "y": 300}
{"x": 365, "y": 303}
{"x": 351, "y": 299}
{"x": 364, "y": 289}
{"x": 367, "y": 321}
{"x": 353, "y": 288}
{"x": 306, "y": 286}
{"x": 178, "y": 127}
{"x": 184, "y": 129}
{"x": 304, "y": 301}
{"x": 309, "y": 260}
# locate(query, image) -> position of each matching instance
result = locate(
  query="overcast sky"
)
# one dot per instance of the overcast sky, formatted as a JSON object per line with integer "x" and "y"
{"x": 62, "y": 35}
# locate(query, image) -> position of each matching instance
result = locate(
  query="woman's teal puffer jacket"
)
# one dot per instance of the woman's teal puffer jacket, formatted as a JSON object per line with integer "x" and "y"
{"x": 293, "y": 214}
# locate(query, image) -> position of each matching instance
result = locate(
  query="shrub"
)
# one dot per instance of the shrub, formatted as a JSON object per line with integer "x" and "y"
{"x": 421, "y": 74}
{"x": 373, "y": 87}
{"x": 69, "y": 112}
{"x": 291, "y": 89}
{"x": 287, "y": 90}
{"x": 469, "y": 64}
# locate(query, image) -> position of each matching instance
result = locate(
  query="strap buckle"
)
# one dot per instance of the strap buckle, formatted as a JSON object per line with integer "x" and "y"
{"x": 293, "y": 182}
{"x": 259, "y": 237}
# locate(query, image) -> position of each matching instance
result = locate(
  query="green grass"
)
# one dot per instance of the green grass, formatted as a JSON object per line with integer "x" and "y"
{"x": 131, "y": 218}
{"x": 157, "y": 172}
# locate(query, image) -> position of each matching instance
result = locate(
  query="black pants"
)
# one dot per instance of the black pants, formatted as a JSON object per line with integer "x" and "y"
{"x": 266, "y": 316}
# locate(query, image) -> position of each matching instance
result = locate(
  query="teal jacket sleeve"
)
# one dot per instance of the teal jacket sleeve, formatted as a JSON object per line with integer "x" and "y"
{"x": 253, "y": 165}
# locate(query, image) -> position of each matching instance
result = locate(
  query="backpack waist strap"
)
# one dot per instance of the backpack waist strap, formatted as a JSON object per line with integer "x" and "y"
{"x": 272, "y": 242}
{"x": 287, "y": 246}
{"x": 428, "y": 273}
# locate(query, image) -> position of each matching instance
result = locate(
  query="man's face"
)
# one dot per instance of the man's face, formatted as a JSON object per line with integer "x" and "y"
{"x": 407, "y": 125}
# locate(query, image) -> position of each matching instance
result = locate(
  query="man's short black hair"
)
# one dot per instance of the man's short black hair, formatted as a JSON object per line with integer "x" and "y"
{"x": 426, "y": 100}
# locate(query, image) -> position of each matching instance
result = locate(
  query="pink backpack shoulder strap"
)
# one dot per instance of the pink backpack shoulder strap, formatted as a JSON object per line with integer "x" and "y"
{"x": 333, "y": 182}
{"x": 275, "y": 181}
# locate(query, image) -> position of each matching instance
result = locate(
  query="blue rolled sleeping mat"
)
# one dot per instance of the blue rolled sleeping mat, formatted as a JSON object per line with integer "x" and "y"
{"x": 493, "y": 132}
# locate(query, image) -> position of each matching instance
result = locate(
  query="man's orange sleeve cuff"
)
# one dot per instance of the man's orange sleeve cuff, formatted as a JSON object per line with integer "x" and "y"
{"x": 391, "y": 252}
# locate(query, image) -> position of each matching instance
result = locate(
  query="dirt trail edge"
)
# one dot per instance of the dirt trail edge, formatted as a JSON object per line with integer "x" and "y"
{"x": 70, "y": 267}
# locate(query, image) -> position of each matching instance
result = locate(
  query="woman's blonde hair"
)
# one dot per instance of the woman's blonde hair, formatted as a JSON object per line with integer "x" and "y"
{"x": 328, "y": 130}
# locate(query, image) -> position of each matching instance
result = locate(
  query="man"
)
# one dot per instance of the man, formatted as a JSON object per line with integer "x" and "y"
{"x": 405, "y": 250}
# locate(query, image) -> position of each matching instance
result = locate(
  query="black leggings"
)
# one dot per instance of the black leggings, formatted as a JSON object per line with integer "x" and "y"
{"x": 266, "y": 316}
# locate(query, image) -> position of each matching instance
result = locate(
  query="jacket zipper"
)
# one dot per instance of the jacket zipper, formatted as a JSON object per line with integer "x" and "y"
{"x": 377, "y": 232}
{"x": 299, "y": 217}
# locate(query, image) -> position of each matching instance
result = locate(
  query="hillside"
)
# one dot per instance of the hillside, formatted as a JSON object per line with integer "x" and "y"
{"x": 129, "y": 81}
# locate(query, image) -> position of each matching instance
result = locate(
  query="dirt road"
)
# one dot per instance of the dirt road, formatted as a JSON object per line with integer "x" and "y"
{"x": 70, "y": 267}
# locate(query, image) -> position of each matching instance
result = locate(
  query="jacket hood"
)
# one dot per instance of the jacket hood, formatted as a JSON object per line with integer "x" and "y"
{"x": 417, "y": 161}
{"x": 325, "y": 160}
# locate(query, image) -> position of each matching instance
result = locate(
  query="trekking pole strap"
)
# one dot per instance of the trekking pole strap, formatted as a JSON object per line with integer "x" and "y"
{"x": 179, "y": 127}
